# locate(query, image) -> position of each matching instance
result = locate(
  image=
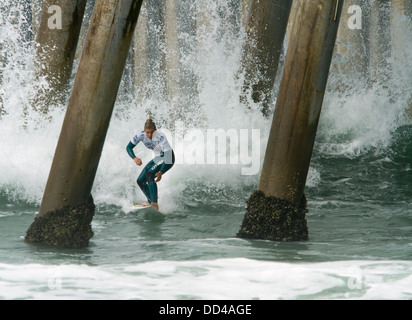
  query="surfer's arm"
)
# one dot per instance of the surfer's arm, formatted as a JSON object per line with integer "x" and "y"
{"x": 129, "y": 150}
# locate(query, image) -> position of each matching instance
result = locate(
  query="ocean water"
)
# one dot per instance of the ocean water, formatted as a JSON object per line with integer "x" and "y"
{"x": 358, "y": 188}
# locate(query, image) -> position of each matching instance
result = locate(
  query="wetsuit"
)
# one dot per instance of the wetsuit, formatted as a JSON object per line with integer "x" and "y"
{"x": 163, "y": 161}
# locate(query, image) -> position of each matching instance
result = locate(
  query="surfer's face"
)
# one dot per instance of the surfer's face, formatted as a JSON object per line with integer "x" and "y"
{"x": 149, "y": 133}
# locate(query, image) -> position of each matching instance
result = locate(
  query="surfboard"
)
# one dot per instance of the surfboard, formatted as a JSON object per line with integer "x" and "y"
{"x": 147, "y": 209}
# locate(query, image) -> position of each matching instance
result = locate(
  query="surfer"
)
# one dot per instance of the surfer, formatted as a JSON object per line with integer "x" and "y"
{"x": 164, "y": 159}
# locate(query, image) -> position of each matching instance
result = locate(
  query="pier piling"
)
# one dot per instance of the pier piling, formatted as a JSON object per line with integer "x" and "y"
{"x": 277, "y": 210}
{"x": 68, "y": 189}
{"x": 56, "y": 44}
{"x": 266, "y": 30}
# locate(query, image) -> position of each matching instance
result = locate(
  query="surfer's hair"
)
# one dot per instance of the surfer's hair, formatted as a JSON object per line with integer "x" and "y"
{"x": 150, "y": 124}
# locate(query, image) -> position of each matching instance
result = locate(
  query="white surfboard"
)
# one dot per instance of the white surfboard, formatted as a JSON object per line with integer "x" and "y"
{"x": 144, "y": 208}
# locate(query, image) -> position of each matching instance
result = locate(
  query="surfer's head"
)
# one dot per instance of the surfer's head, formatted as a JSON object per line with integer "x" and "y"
{"x": 149, "y": 128}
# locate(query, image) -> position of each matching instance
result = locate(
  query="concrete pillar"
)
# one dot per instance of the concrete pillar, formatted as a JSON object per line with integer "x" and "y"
{"x": 398, "y": 21}
{"x": 56, "y": 44}
{"x": 246, "y": 7}
{"x": 266, "y": 31}
{"x": 170, "y": 20}
{"x": 85, "y": 125}
{"x": 88, "y": 12}
{"x": 156, "y": 60}
{"x": 204, "y": 31}
{"x": 277, "y": 210}
{"x": 400, "y": 18}
{"x": 380, "y": 41}
{"x": 352, "y": 46}
{"x": 36, "y": 8}
{"x": 181, "y": 77}
{"x": 140, "y": 53}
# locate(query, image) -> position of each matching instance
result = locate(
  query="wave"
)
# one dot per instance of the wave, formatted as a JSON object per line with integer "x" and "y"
{"x": 354, "y": 122}
{"x": 359, "y": 123}
{"x": 226, "y": 279}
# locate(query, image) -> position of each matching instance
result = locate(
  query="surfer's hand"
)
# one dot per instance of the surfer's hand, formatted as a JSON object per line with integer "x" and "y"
{"x": 138, "y": 161}
{"x": 158, "y": 176}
